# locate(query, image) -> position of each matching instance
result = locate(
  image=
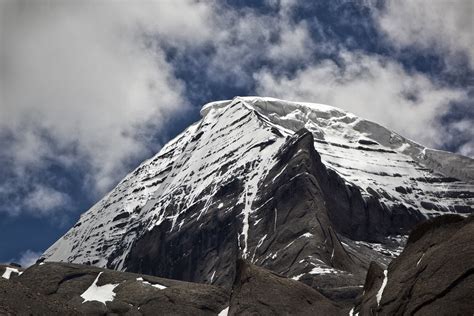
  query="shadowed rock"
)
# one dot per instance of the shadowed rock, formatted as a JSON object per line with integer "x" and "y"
{"x": 433, "y": 276}
{"x": 257, "y": 291}
{"x": 56, "y": 289}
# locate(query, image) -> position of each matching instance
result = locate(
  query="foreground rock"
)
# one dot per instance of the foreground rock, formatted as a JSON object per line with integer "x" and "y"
{"x": 16, "y": 299}
{"x": 257, "y": 291}
{"x": 70, "y": 289}
{"x": 433, "y": 276}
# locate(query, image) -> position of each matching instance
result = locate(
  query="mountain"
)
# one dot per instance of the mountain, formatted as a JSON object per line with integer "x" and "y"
{"x": 306, "y": 190}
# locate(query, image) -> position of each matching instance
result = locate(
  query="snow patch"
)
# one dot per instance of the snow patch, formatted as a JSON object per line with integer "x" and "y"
{"x": 419, "y": 260}
{"x": 317, "y": 270}
{"x": 224, "y": 312}
{"x": 382, "y": 287}
{"x": 275, "y": 223}
{"x": 320, "y": 270}
{"x": 103, "y": 293}
{"x": 156, "y": 285}
{"x": 403, "y": 147}
{"x": 8, "y": 272}
{"x": 383, "y": 249}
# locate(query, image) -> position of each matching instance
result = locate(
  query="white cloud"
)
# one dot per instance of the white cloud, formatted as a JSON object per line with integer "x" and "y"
{"x": 464, "y": 128}
{"x": 82, "y": 81}
{"x": 85, "y": 84}
{"x": 28, "y": 258}
{"x": 467, "y": 149}
{"x": 444, "y": 25}
{"x": 372, "y": 87}
{"x": 294, "y": 44}
{"x": 46, "y": 200}
{"x": 247, "y": 38}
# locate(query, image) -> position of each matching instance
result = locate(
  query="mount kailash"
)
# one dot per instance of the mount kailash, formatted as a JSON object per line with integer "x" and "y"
{"x": 304, "y": 199}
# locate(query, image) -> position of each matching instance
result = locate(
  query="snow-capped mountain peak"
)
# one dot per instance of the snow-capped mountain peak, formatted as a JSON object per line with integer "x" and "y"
{"x": 213, "y": 194}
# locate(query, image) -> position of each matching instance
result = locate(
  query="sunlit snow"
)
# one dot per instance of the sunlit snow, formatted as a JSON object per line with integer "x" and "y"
{"x": 382, "y": 287}
{"x": 103, "y": 293}
{"x": 9, "y": 271}
{"x": 156, "y": 285}
{"x": 419, "y": 260}
{"x": 224, "y": 312}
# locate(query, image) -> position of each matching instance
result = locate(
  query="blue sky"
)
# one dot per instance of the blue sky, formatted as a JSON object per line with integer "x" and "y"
{"x": 89, "y": 89}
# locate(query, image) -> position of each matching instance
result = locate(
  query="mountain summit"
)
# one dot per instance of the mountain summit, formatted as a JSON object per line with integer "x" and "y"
{"x": 306, "y": 190}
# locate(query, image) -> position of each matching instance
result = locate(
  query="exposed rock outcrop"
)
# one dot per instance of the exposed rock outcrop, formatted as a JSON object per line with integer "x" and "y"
{"x": 434, "y": 275}
{"x": 257, "y": 291}
{"x": 71, "y": 289}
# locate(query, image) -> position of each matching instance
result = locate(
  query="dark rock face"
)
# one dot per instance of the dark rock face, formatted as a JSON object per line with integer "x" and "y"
{"x": 257, "y": 291}
{"x": 56, "y": 289}
{"x": 355, "y": 216}
{"x": 194, "y": 253}
{"x": 433, "y": 276}
{"x": 291, "y": 229}
{"x": 301, "y": 198}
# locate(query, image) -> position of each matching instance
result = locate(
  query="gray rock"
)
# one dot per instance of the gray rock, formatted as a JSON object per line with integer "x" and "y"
{"x": 56, "y": 288}
{"x": 257, "y": 291}
{"x": 433, "y": 276}
{"x": 17, "y": 299}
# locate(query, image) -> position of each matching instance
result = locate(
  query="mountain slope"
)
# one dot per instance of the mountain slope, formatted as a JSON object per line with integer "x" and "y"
{"x": 307, "y": 190}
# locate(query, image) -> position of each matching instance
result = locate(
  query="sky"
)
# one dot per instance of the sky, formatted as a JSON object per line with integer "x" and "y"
{"x": 89, "y": 89}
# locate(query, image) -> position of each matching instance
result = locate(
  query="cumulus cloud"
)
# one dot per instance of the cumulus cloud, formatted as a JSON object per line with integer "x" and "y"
{"x": 87, "y": 83}
{"x": 373, "y": 87}
{"x": 462, "y": 131}
{"x": 445, "y": 26}
{"x": 247, "y": 38}
{"x": 294, "y": 43}
{"x": 46, "y": 200}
